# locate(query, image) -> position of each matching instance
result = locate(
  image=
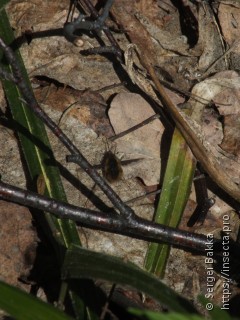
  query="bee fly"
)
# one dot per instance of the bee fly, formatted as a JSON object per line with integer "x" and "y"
{"x": 111, "y": 167}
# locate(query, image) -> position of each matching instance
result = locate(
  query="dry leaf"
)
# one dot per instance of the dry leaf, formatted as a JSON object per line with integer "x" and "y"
{"x": 150, "y": 8}
{"x": 127, "y": 110}
{"x": 208, "y": 90}
{"x": 209, "y": 41}
{"x": 231, "y": 141}
{"x": 229, "y": 17}
{"x": 165, "y": 39}
{"x": 87, "y": 106}
{"x": 17, "y": 237}
{"x": 223, "y": 90}
{"x": 29, "y": 15}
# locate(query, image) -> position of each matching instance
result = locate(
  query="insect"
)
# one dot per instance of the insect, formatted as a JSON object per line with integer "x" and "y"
{"x": 111, "y": 167}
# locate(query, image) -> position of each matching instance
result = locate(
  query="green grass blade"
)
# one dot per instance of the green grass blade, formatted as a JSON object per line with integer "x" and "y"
{"x": 35, "y": 145}
{"x": 175, "y": 193}
{"x": 23, "y": 306}
{"x": 82, "y": 263}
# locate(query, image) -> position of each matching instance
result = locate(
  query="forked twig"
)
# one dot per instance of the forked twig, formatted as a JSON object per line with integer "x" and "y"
{"x": 82, "y": 23}
{"x": 136, "y": 227}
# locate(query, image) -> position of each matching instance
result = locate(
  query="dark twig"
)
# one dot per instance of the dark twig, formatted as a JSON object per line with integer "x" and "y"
{"x": 136, "y": 227}
{"x": 95, "y": 15}
{"x": 204, "y": 203}
{"x": 111, "y": 86}
{"x": 82, "y": 23}
{"x": 98, "y": 50}
{"x": 137, "y": 126}
{"x": 147, "y": 194}
{"x": 105, "y": 308}
{"x": 107, "y": 32}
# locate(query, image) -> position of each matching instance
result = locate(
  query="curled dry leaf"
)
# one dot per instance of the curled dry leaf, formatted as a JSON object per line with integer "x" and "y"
{"x": 228, "y": 103}
{"x": 127, "y": 110}
{"x": 208, "y": 90}
{"x": 143, "y": 22}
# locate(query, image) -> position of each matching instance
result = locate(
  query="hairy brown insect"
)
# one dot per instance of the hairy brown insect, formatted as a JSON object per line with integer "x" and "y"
{"x": 111, "y": 167}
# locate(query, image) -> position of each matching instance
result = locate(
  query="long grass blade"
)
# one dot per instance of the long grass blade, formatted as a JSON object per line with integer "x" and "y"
{"x": 175, "y": 193}
{"x": 81, "y": 263}
{"x": 23, "y": 306}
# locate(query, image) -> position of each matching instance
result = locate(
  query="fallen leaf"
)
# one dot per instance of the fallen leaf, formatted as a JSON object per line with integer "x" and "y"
{"x": 29, "y": 15}
{"x": 209, "y": 41}
{"x": 18, "y": 239}
{"x": 215, "y": 89}
{"x": 150, "y": 8}
{"x": 127, "y": 110}
{"x": 229, "y": 17}
{"x": 231, "y": 140}
{"x": 223, "y": 90}
{"x": 87, "y": 106}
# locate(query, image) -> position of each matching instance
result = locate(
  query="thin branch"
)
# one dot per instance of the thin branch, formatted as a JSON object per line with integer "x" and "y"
{"x": 98, "y": 24}
{"x": 136, "y": 227}
{"x": 133, "y": 128}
